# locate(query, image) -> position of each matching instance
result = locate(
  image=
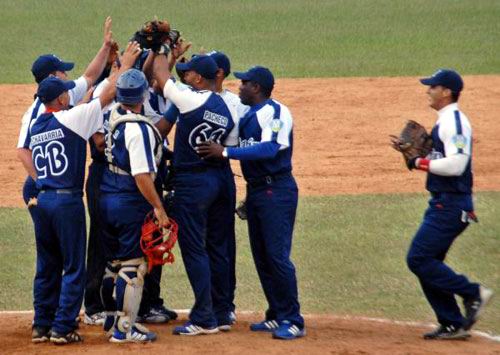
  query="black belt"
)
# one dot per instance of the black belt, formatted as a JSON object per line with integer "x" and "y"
{"x": 268, "y": 179}
{"x": 196, "y": 168}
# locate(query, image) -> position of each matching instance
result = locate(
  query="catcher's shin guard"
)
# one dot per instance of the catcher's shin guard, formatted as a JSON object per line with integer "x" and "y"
{"x": 107, "y": 293}
{"x": 129, "y": 286}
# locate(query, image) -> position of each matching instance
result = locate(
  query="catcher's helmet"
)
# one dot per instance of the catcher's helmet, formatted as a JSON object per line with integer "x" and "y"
{"x": 131, "y": 87}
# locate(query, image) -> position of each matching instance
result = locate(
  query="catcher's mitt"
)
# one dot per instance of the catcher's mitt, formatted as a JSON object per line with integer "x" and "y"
{"x": 413, "y": 142}
{"x": 153, "y": 35}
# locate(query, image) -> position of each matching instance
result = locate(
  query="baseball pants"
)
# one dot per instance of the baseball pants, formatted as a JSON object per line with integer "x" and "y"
{"x": 271, "y": 212}
{"x": 60, "y": 266}
{"x": 441, "y": 225}
{"x": 204, "y": 210}
{"x": 96, "y": 261}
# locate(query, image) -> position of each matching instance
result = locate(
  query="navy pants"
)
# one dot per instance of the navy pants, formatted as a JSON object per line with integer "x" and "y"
{"x": 203, "y": 207}
{"x": 442, "y": 223}
{"x": 271, "y": 210}
{"x": 60, "y": 259}
{"x": 96, "y": 262}
{"x": 29, "y": 189}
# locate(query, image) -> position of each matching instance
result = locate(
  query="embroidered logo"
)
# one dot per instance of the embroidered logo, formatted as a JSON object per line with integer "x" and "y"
{"x": 276, "y": 126}
{"x": 459, "y": 141}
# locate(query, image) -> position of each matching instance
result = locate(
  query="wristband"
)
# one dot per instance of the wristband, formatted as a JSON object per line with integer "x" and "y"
{"x": 423, "y": 164}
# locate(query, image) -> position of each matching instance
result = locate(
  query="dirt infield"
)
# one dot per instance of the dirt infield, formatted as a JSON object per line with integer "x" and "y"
{"x": 326, "y": 335}
{"x": 341, "y": 147}
{"x": 341, "y": 133}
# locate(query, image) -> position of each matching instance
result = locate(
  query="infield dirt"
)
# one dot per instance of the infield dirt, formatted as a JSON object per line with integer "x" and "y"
{"x": 341, "y": 146}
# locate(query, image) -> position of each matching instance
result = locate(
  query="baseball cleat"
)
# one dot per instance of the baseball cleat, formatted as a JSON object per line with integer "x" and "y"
{"x": 288, "y": 331}
{"x": 232, "y": 317}
{"x": 133, "y": 336}
{"x": 192, "y": 329}
{"x": 265, "y": 326}
{"x": 448, "y": 332}
{"x": 94, "y": 319}
{"x": 157, "y": 315}
{"x": 40, "y": 334}
{"x": 474, "y": 307}
{"x": 61, "y": 339}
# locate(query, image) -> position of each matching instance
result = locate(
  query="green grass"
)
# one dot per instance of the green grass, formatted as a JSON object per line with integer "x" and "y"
{"x": 295, "y": 38}
{"x": 349, "y": 252}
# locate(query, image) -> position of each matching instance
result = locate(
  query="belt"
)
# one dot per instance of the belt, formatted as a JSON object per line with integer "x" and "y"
{"x": 189, "y": 169}
{"x": 268, "y": 179}
{"x": 62, "y": 191}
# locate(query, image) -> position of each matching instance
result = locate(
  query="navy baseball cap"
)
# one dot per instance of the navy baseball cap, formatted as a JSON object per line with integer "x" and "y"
{"x": 259, "y": 75}
{"x": 201, "y": 64}
{"x": 222, "y": 61}
{"x": 52, "y": 87}
{"x": 445, "y": 77}
{"x": 48, "y": 63}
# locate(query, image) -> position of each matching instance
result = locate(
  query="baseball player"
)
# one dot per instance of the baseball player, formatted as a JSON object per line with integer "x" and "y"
{"x": 224, "y": 65}
{"x": 58, "y": 141}
{"x": 449, "y": 181}
{"x": 204, "y": 191}
{"x": 50, "y": 65}
{"x": 128, "y": 193}
{"x": 265, "y": 151}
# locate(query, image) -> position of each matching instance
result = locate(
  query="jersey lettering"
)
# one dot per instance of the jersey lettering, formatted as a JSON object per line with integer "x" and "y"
{"x": 52, "y": 157}
{"x": 203, "y": 133}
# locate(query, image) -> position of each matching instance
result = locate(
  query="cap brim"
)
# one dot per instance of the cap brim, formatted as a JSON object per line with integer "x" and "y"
{"x": 428, "y": 81}
{"x": 68, "y": 85}
{"x": 66, "y": 66}
{"x": 183, "y": 66}
{"x": 242, "y": 75}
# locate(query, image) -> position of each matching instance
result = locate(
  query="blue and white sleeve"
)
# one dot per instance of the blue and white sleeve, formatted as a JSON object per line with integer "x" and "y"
{"x": 140, "y": 143}
{"x": 84, "y": 120}
{"x": 277, "y": 130}
{"x": 185, "y": 100}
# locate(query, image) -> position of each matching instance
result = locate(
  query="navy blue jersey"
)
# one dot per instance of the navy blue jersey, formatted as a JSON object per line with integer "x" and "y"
{"x": 265, "y": 122}
{"x": 203, "y": 116}
{"x": 58, "y": 142}
{"x": 451, "y": 135}
{"x": 133, "y": 152}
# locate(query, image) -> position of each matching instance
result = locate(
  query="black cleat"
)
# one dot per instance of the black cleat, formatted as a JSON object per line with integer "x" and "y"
{"x": 448, "y": 332}
{"x": 40, "y": 334}
{"x": 61, "y": 339}
{"x": 474, "y": 307}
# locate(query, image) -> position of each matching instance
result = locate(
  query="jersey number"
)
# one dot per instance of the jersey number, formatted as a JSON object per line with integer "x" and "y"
{"x": 52, "y": 158}
{"x": 203, "y": 133}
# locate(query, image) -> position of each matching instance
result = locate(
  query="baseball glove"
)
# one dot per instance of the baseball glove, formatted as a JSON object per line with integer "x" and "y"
{"x": 413, "y": 142}
{"x": 153, "y": 35}
{"x": 241, "y": 210}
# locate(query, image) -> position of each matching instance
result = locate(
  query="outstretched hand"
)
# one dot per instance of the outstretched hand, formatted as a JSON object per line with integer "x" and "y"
{"x": 108, "y": 34}
{"x": 209, "y": 149}
{"x": 130, "y": 55}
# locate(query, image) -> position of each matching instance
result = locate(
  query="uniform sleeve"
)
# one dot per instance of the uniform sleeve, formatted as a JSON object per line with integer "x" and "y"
{"x": 276, "y": 130}
{"x": 172, "y": 114}
{"x": 140, "y": 144}
{"x": 232, "y": 138}
{"x": 185, "y": 100}
{"x": 78, "y": 92}
{"x": 150, "y": 112}
{"x": 456, "y": 134}
{"x": 84, "y": 120}
{"x": 23, "y": 140}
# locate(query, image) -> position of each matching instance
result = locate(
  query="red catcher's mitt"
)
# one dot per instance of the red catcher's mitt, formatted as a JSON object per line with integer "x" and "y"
{"x": 156, "y": 241}
{"x": 413, "y": 142}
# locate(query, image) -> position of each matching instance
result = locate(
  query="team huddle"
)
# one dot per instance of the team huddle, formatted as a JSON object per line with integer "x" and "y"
{"x": 124, "y": 106}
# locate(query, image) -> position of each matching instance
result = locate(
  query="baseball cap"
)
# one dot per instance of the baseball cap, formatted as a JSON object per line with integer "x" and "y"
{"x": 52, "y": 87}
{"x": 259, "y": 75}
{"x": 222, "y": 61}
{"x": 445, "y": 77}
{"x": 201, "y": 64}
{"x": 48, "y": 63}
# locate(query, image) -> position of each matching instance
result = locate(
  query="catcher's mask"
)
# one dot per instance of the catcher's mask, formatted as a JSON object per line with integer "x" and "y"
{"x": 131, "y": 87}
{"x": 156, "y": 241}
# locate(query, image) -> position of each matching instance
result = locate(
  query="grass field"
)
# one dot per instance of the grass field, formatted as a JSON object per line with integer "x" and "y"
{"x": 349, "y": 252}
{"x": 294, "y": 38}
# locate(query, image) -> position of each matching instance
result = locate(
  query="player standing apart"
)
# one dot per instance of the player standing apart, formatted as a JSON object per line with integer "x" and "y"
{"x": 449, "y": 181}
{"x": 265, "y": 152}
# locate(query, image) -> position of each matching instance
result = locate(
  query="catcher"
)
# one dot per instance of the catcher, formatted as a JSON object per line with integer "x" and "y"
{"x": 449, "y": 181}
